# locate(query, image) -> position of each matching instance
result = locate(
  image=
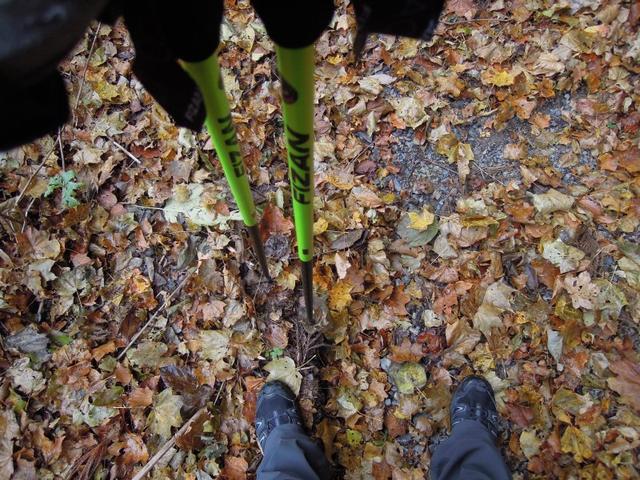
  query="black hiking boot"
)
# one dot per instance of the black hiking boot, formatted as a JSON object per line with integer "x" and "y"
{"x": 474, "y": 400}
{"x": 276, "y": 406}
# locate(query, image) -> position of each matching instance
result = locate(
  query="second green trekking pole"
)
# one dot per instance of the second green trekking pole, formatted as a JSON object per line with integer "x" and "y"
{"x": 207, "y": 76}
{"x": 296, "y": 66}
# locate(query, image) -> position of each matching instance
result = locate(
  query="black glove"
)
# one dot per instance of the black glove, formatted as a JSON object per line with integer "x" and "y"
{"x": 404, "y": 18}
{"x": 294, "y": 24}
{"x": 36, "y": 34}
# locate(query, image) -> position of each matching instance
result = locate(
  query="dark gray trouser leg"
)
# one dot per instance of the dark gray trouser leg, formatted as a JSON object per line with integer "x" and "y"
{"x": 470, "y": 454}
{"x": 290, "y": 454}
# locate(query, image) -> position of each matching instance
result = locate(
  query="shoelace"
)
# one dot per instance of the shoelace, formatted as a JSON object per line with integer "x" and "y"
{"x": 265, "y": 427}
{"x": 487, "y": 418}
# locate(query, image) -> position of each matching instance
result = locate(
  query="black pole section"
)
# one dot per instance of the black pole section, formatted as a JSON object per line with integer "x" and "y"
{"x": 254, "y": 233}
{"x": 307, "y": 285}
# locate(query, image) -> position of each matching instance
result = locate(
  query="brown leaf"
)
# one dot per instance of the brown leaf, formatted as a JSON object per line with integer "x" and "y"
{"x": 135, "y": 451}
{"x": 462, "y": 8}
{"x": 140, "y": 397}
{"x": 406, "y": 352}
{"x": 519, "y": 414}
{"x": 50, "y": 449}
{"x": 629, "y": 159}
{"x": 180, "y": 379}
{"x": 395, "y": 305}
{"x": 626, "y": 382}
{"x": 395, "y": 426}
{"x": 191, "y": 439}
{"x": 99, "y": 352}
{"x": 123, "y": 375}
{"x": 235, "y": 468}
{"x": 273, "y": 221}
{"x": 254, "y": 385}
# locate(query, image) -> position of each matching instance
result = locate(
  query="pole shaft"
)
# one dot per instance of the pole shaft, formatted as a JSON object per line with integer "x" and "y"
{"x": 296, "y": 74}
{"x": 207, "y": 76}
{"x": 296, "y": 68}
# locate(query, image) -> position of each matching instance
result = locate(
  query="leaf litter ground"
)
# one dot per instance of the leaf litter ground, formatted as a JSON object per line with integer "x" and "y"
{"x": 477, "y": 211}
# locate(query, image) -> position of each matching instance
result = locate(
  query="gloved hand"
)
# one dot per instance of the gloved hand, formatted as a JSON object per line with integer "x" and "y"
{"x": 36, "y": 34}
{"x": 404, "y": 18}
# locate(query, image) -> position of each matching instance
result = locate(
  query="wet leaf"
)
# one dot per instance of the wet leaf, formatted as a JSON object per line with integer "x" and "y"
{"x": 284, "y": 370}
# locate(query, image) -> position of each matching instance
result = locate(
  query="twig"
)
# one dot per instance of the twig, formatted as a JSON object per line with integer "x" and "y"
{"x": 167, "y": 446}
{"x": 125, "y": 151}
{"x": 484, "y": 172}
{"x": 61, "y": 151}
{"x": 474, "y": 20}
{"x": 144, "y": 207}
{"x": 84, "y": 74}
{"x": 153, "y": 317}
{"x": 26, "y": 214}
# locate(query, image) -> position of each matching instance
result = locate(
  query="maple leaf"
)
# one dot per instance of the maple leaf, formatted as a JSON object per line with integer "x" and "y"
{"x": 64, "y": 182}
{"x": 165, "y": 413}
{"x": 581, "y": 290}
{"x": 214, "y": 344}
{"x": 284, "y": 370}
{"x": 501, "y": 78}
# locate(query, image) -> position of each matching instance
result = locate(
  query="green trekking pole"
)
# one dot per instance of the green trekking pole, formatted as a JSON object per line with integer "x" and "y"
{"x": 207, "y": 76}
{"x": 296, "y": 66}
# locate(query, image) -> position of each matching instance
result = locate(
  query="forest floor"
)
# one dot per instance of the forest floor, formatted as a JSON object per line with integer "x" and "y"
{"x": 477, "y": 211}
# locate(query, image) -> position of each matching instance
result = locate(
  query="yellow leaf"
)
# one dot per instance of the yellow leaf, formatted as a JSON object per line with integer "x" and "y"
{"x": 320, "y": 226}
{"x": 422, "y": 220}
{"x": 577, "y": 442}
{"x": 284, "y": 370}
{"x": 287, "y": 280}
{"x": 340, "y": 296}
{"x": 501, "y": 79}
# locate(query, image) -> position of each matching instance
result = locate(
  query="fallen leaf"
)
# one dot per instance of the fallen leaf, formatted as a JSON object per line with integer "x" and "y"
{"x": 408, "y": 377}
{"x": 165, "y": 413}
{"x": 496, "y": 300}
{"x": 28, "y": 381}
{"x": 342, "y": 264}
{"x": 284, "y": 370}
{"x": 501, "y": 78}
{"x": 563, "y": 256}
{"x": 235, "y": 468}
{"x": 9, "y": 430}
{"x": 274, "y": 222}
{"x": 140, "y": 397}
{"x": 578, "y": 443}
{"x": 530, "y": 443}
{"x": 554, "y": 345}
{"x": 581, "y": 290}
{"x": 626, "y": 382}
{"x": 214, "y": 344}
{"x": 552, "y": 201}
